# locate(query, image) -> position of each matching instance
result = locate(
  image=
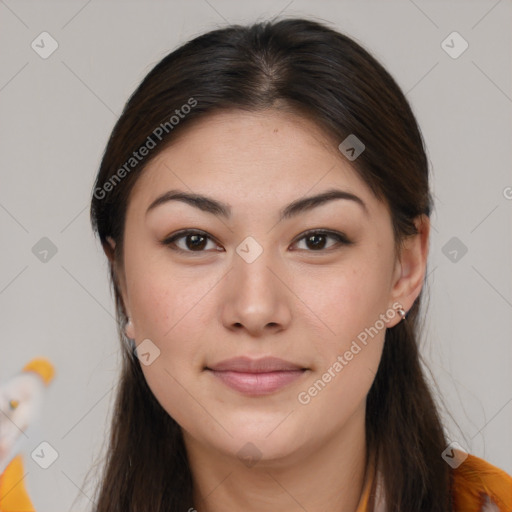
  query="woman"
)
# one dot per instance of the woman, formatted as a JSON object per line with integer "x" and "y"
{"x": 264, "y": 204}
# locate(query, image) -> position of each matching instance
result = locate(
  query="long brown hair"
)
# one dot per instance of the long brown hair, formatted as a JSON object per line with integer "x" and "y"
{"x": 311, "y": 69}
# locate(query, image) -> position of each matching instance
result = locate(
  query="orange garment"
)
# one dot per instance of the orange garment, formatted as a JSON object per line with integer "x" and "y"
{"x": 476, "y": 482}
{"x": 13, "y": 495}
{"x": 477, "y": 487}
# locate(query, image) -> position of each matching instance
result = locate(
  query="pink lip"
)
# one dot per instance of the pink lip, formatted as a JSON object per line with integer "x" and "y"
{"x": 257, "y": 383}
{"x": 248, "y": 365}
{"x": 256, "y": 376}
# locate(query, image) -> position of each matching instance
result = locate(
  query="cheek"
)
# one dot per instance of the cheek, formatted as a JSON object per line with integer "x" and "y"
{"x": 155, "y": 307}
{"x": 170, "y": 388}
{"x": 348, "y": 352}
{"x": 165, "y": 299}
{"x": 346, "y": 300}
{"x": 172, "y": 321}
{"x": 172, "y": 308}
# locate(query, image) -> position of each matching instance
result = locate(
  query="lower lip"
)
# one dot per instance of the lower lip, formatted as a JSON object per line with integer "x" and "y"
{"x": 257, "y": 383}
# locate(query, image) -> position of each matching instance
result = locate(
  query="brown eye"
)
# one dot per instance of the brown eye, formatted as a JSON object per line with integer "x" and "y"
{"x": 192, "y": 241}
{"x": 315, "y": 241}
{"x": 195, "y": 242}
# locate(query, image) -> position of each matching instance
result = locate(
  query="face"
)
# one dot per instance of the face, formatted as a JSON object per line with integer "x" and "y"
{"x": 315, "y": 287}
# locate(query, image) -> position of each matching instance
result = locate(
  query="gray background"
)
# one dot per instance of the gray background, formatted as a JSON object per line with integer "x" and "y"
{"x": 57, "y": 113}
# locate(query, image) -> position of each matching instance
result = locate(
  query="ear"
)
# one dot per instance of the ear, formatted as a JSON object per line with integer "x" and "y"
{"x": 109, "y": 249}
{"x": 410, "y": 268}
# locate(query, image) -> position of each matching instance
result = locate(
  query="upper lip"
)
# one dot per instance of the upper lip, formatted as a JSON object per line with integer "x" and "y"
{"x": 249, "y": 365}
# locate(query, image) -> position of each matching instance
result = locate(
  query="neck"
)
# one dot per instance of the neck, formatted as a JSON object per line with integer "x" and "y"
{"x": 324, "y": 477}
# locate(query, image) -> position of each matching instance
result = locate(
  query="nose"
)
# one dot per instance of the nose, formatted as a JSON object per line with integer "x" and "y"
{"x": 255, "y": 298}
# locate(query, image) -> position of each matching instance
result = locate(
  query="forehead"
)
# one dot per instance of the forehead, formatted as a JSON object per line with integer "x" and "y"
{"x": 240, "y": 156}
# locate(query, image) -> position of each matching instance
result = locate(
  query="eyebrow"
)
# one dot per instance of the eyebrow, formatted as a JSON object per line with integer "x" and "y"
{"x": 210, "y": 205}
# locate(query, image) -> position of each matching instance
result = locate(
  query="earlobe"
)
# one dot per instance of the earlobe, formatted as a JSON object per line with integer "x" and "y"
{"x": 129, "y": 329}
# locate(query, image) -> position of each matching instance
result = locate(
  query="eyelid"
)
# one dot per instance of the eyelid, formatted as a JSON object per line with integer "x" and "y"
{"x": 340, "y": 237}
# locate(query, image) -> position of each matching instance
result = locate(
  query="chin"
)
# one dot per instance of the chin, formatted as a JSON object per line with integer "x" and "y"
{"x": 267, "y": 445}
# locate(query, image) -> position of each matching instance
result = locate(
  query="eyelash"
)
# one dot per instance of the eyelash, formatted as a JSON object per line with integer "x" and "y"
{"x": 340, "y": 238}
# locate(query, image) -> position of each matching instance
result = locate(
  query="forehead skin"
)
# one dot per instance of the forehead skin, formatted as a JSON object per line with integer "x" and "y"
{"x": 251, "y": 159}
